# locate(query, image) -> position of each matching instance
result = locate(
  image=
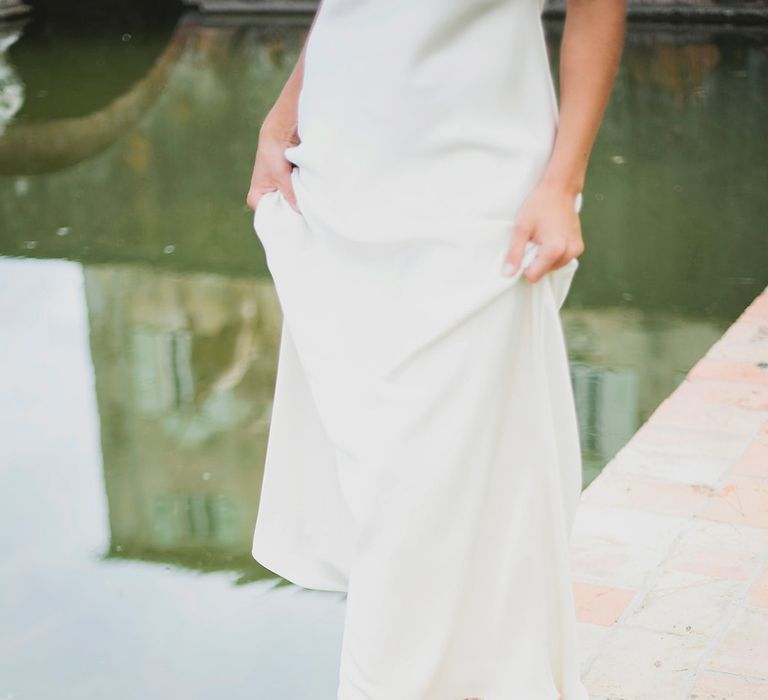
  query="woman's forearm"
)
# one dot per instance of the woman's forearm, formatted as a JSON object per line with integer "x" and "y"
{"x": 279, "y": 130}
{"x": 281, "y": 120}
{"x": 589, "y": 57}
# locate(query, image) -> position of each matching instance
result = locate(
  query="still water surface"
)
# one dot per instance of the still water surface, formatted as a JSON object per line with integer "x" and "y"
{"x": 140, "y": 331}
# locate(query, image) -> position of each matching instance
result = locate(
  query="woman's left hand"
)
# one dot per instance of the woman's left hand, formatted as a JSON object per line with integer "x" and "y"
{"x": 550, "y": 218}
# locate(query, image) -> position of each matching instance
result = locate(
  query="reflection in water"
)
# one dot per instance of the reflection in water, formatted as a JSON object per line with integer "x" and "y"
{"x": 11, "y": 88}
{"x": 40, "y": 146}
{"x": 185, "y": 368}
{"x": 79, "y": 624}
{"x": 624, "y": 363}
{"x": 143, "y": 188}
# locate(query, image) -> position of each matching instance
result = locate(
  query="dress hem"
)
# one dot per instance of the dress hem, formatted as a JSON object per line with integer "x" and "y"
{"x": 291, "y": 570}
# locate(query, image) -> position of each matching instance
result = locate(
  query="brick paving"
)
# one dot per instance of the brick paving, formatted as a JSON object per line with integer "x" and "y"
{"x": 670, "y": 547}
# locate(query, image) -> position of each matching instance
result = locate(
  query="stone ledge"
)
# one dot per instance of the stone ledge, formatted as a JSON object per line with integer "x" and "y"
{"x": 745, "y": 11}
{"x": 670, "y": 546}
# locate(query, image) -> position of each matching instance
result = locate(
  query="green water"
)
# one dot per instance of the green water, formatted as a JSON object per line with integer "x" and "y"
{"x": 140, "y": 332}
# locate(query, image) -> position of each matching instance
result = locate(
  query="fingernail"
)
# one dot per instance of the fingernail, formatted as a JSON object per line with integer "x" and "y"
{"x": 508, "y": 269}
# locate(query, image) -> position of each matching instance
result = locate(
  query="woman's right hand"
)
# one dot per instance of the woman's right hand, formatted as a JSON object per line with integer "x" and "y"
{"x": 271, "y": 169}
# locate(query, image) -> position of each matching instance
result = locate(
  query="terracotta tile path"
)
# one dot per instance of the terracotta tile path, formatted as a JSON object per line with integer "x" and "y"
{"x": 670, "y": 547}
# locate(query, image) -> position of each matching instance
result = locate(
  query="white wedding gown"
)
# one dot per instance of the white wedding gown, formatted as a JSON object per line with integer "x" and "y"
{"x": 423, "y": 454}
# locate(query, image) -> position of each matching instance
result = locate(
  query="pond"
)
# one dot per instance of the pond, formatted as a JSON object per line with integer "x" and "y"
{"x": 140, "y": 331}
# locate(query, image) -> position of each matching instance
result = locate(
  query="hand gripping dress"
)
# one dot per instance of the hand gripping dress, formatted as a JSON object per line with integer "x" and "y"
{"x": 423, "y": 453}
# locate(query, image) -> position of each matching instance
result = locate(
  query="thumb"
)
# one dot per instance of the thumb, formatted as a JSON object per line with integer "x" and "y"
{"x": 286, "y": 186}
{"x": 521, "y": 234}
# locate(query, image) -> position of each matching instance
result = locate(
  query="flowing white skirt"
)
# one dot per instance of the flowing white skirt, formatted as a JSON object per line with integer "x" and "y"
{"x": 424, "y": 456}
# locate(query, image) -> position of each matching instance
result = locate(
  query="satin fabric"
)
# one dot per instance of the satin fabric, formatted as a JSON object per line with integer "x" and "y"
{"x": 423, "y": 452}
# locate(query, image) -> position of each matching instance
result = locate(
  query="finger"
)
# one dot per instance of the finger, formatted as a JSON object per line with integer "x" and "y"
{"x": 562, "y": 261}
{"x": 286, "y": 187}
{"x": 255, "y": 194}
{"x": 573, "y": 250}
{"x": 521, "y": 234}
{"x": 253, "y": 197}
{"x": 543, "y": 262}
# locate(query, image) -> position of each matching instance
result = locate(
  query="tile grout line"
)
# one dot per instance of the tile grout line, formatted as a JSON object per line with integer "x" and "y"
{"x": 739, "y": 601}
{"x": 730, "y": 618}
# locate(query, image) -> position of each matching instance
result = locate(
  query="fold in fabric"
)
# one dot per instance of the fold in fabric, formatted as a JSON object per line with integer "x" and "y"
{"x": 423, "y": 457}
{"x": 423, "y": 452}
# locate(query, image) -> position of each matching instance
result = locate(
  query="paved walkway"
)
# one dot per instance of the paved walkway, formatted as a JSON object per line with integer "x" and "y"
{"x": 670, "y": 549}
